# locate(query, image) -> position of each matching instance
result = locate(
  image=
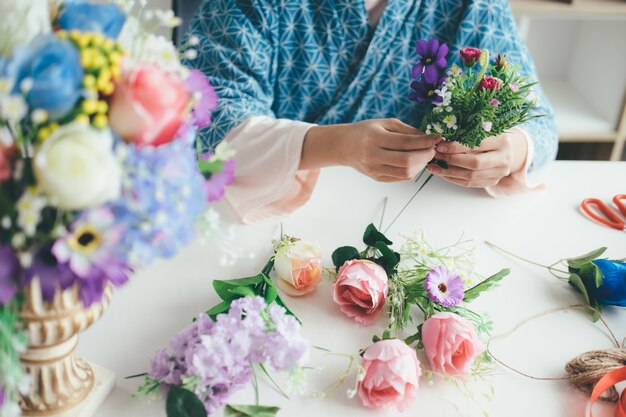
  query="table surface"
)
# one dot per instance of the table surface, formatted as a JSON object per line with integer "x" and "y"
{"x": 543, "y": 226}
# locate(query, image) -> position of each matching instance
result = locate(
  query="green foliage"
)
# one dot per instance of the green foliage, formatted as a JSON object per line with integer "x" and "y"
{"x": 344, "y": 254}
{"x": 183, "y": 403}
{"x": 586, "y": 277}
{"x": 250, "y": 411}
{"x": 378, "y": 251}
{"x": 489, "y": 283}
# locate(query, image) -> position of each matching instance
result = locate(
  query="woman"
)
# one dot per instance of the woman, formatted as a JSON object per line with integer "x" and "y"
{"x": 306, "y": 84}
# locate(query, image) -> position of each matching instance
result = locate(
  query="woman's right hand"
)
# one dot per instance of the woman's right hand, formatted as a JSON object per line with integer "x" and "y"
{"x": 386, "y": 150}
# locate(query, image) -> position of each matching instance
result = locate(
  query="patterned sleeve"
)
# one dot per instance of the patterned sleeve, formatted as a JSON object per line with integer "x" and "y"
{"x": 489, "y": 24}
{"x": 236, "y": 53}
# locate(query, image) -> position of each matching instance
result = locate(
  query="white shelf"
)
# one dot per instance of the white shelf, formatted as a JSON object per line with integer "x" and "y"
{"x": 574, "y": 116}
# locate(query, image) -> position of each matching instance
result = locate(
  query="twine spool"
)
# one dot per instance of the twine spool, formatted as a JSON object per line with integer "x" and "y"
{"x": 585, "y": 370}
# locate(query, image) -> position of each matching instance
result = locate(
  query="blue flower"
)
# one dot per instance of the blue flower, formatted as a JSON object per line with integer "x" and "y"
{"x": 613, "y": 288}
{"x": 54, "y": 68}
{"x": 106, "y": 19}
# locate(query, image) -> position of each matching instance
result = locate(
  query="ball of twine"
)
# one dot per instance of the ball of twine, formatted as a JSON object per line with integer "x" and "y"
{"x": 585, "y": 370}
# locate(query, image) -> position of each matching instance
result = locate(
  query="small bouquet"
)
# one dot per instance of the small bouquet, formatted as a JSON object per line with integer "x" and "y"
{"x": 438, "y": 282}
{"x": 98, "y": 171}
{"x": 467, "y": 105}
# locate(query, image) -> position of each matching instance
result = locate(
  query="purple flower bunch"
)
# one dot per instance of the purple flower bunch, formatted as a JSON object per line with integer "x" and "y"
{"x": 213, "y": 359}
{"x": 429, "y": 73}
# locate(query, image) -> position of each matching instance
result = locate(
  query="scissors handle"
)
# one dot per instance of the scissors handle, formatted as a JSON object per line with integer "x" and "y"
{"x": 620, "y": 202}
{"x": 609, "y": 217}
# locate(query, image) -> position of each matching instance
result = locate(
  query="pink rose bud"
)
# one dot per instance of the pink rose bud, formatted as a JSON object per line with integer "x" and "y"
{"x": 6, "y": 157}
{"x": 361, "y": 290}
{"x": 149, "y": 106}
{"x": 298, "y": 268}
{"x": 391, "y": 372}
{"x": 494, "y": 102}
{"x": 451, "y": 343}
{"x": 487, "y": 126}
{"x": 470, "y": 56}
{"x": 514, "y": 88}
{"x": 491, "y": 83}
{"x": 501, "y": 63}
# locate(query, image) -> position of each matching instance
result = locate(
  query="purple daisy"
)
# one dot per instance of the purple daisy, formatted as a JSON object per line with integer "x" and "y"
{"x": 9, "y": 269}
{"x": 444, "y": 287}
{"x": 198, "y": 84}
{"x": 52, "y": 274}
{"x": 432, "y": 60}
{"x": 425, "y": 92}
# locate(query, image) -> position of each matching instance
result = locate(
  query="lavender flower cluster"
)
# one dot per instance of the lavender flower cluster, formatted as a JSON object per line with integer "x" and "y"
{"x": 213, "y": 359}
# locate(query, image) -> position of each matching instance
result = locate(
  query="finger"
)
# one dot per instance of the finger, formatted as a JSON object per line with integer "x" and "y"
{"x": 406, "y": 159}
{"x": 474, "y": 161}
{"x": 401, "y": 173}
{"x": 406, "y": 142}
{"x": 472, "y": 183}
{"x": 452, "y": 147}
{"x": 398, "y": 126}
{"x": 386, "y": 178}
{"x": 491, "y": 143}
{"x": 470, "y": 174}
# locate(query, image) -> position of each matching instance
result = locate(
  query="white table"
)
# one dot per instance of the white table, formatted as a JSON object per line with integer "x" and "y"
{"x": 544, "y": 226}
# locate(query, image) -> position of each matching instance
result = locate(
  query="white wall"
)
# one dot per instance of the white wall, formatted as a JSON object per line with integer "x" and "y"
{"x": 160, "y": 4}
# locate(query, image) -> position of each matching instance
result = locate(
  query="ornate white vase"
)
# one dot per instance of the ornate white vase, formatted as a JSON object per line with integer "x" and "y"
{"x": 62, "y": 384}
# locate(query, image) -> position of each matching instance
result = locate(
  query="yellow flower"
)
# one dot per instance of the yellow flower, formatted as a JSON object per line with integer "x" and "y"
{"x": 90, "y": 106}
{"x": 82, "y": 119}
{"x": 89, "y": 81}
{"x": 43, "y": 134}
{"x": 103, "y": 107}
{"x": 100, "y": 121}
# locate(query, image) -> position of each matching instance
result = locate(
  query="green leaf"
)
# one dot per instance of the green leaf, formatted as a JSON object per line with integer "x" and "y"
{"x": 485, "y": 285}
{"x": 223, "y": 288}
{"x": 343, "y": 254}
{"x": 389, "y": 259}
{"x": 210, "y": 167}
{"x": 222, "y": 307}
{"x": 271, "y": 294}
{"x": 183, "y": 403}
{"x": 578, "y": 283}
{"x": 598, "y": 275}
{"x": 250, "y": 411}
{"x": 579, "y": 261}
{"x": 372, "y": 235}
{"x": 242, "y": 291}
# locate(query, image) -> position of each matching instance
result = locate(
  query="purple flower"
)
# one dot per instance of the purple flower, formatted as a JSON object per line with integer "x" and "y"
{"x": 9, "y": 270}
{"x": 52, "y": 275}
{"x": 425, "y": 92}
{"x": 215, "y": 185}
{"x": 432, "y": 60}
{"x": 444, "y": 287}
{"x": 206, "y": 100}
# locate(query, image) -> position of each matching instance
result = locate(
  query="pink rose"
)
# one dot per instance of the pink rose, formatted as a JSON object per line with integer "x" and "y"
{"x": 149, "y": 106}
{"x": 6, "y": 157}
{"x": 298, "y": 268}
{"x": 470, "y": 56}
{"x": 391, "y": 373}
{"x": 450, "y": 343}
{"x": 361, "y": 290}
{"x": 491, "y": 83}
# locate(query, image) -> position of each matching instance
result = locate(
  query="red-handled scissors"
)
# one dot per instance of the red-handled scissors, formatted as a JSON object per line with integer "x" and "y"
{"x": 597, "y": 210}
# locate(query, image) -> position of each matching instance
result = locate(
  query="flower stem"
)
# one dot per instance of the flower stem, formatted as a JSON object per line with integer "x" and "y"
{"x": 409, "y": 202}
{"x": 278, "y": 388}
{"x": 256, "y": 387}
{"x": 548, "y": 267}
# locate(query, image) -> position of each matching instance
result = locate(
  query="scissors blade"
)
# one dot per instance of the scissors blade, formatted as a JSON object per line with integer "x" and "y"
{"x": 594, "y": 206}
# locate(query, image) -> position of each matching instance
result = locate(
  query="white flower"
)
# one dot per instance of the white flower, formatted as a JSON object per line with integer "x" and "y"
{"x": 298, "y": 267}
{"x": 13, "y": 108}
{"x": 487, "y": 126}
{"x": 145, "y": 47}
{"x": 455, "y": 70}
{"x": 437, "y": 128}
{"x": 167, "y": 18}
{"x": 29, "y": 208}
{"x": 6, "y": 139}
{"x": 76, "y": 167}
{"x": 26, "y": 19}
{"x": 450, "y": 121}
{"x": 39, "y": 116}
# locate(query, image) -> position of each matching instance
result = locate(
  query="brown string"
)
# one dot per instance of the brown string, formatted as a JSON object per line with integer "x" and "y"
{"x": 585, "y": 370}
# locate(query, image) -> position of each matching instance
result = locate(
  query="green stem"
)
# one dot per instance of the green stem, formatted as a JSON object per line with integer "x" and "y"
{"x": 382, "y": 215}
{"x": 278, "y": 388}
{"x": 408, "y": 203}
{"x": 548, "y": 267}
{"x": 255, "y": 381}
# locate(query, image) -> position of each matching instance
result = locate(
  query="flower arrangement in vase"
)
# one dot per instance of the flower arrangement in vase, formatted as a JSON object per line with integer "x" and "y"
{"x": 98, "y": 176}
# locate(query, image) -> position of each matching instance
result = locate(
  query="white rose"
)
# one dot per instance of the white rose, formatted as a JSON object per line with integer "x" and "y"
{"x": 26, "y": 19}
{"x": 298, "y": 268}
{"x": 76, "y": 167}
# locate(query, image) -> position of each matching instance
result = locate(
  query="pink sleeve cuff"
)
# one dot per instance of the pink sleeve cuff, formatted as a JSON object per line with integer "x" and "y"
{"x": 517, "y": 182}
{"x": 268, "y": 183}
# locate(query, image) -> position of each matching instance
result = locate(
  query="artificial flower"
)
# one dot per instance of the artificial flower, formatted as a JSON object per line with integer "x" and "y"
{"x": 390, "y": 375}
{"x": 491, "y": 83}
{"x": 52, "y": 275}
{"x": 298, "y": 267}
{"x": 432, "y": 60}
{"x": 425, "y": 92}
{"x": 470, "y": 56}
{"x": 83, "y": 16}
{"x": 215, "y": 185}
{"x": 487, "y": 126}
{"x": 29, "y": 208}
{"x": 501, "y": 63}
{"x": 52, "y": 67}
{"x": 494, "y": 102}
{"x": 149, "y": 106}
{"x": 361, "y": 290}
{"x": 13, "y": 108}
{"x": 444, "y": 287}
{"x": 450, "y": 343}
{"x": 76, "y": 167}
{"x": 7, "y": 153}
{"x": 205, "y": 98}
{"x": 9, "y": 270}
{"x": 28, "y": 18}
{"x": 613, "y": 288}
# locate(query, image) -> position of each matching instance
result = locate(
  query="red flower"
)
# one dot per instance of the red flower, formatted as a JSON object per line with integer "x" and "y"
{"x": 470, "y": 56}
{"x": 491, "y": 83}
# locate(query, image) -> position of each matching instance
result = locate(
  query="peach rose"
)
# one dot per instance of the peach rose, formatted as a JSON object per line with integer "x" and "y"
{"x": 451, "y": 343}
{"x": 361, "y": 290}
{"x": 391, "y": 372}
{"x": 298, "y": 268}
{"x": 149, "y": 106}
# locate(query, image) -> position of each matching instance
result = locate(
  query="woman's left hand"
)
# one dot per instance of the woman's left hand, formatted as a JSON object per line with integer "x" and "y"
{"x": 496, "y": 158}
